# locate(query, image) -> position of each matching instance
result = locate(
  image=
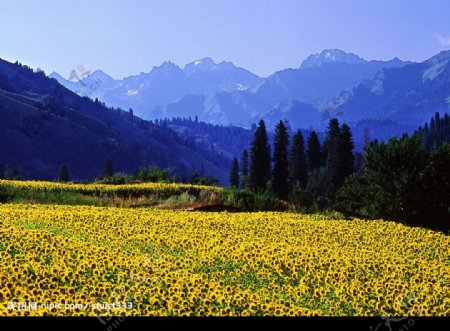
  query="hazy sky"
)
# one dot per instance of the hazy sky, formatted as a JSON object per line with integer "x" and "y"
{"x": 128, "y": 37}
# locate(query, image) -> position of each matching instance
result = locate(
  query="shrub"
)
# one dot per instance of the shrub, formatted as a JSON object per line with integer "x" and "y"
{"x": 247, "y": 200}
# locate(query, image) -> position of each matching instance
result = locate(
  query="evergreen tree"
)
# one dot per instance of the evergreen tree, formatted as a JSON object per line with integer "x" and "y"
{"x": 313, "y": 152}
{"x": 259, "y": 159}
{"x": 345, "y": 154}
{"x": 330, "y": 143}
{"x": 280, "y": 174}
{"x": 13, "y": 174}
{"x": 406, "y": 179}
{"x": 234, "y": 174}
{"x": 392, "y": 184}
{"x": 244, "y": 169}
{"x": 2, "y": 171}
{"x": 332, "y": 157}
{"x": 437, "y": 187}
{"x": 64, "y": 174}
{"x": 108, "y": 169}
{"x": 366, "y": 137}
{"x": 297, "y": 170}
{"x": 195, "y": 178}
{"x": 437, "y": 133}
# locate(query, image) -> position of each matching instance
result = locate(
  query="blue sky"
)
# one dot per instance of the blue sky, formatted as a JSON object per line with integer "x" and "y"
{"x": 128, "y": 37}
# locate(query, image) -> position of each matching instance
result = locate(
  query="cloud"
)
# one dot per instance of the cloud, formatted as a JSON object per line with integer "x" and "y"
{"x": 444, "y": 41}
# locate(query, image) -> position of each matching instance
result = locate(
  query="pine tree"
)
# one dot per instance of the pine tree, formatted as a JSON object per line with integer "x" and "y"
{"x": 313, "y": 152}
{"x": 297, "y": 170}
{"x": 259, "y": 159}
{"x": 2, "y": 171}
{"x": 244, "y": 169}
{"x": 345, "y": 153}
{"x": 366, "y": 137}
{"x": 13, "y": 174}
{"x": 108, "y": 169}
{"x": 64, "y": 174}
{"x": 331, "y": 153}
{"x": 280, "y": 174}
{"x": 330, "y": 143}
{"x": 234, "y": 174}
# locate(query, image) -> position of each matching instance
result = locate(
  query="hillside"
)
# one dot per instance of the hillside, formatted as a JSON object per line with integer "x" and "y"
{"x": 43, "y": 125}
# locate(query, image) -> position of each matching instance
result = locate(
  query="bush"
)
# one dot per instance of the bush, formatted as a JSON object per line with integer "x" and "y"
{"x": 153, "y": 174}
{"x": 117, "y": 179}
{"x": 401, "y": 182}
{"x": 351, "y": 197}
{"x": 247, "y": 200}
{"x": 302, "y": 200}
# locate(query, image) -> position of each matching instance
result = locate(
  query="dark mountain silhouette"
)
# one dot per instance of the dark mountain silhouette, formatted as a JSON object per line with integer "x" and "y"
{"x": 44, "y": 125}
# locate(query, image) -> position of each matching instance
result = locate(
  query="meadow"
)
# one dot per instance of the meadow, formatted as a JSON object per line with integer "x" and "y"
{"x": 151, "y": 262}
{"x": 107, "y": 195}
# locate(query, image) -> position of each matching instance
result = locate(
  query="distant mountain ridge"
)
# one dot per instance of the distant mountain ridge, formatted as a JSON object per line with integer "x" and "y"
{"x": 226, "y": 94}
{"x": 162, "y": 85}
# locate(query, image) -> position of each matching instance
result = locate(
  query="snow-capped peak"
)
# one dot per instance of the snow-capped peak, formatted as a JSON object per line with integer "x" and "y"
{"x": 331, "y": 56}
{"x": 200, "y": 65}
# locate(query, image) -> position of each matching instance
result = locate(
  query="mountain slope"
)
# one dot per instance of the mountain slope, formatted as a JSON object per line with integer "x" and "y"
{"x": 299, "y": 115}
{"x": 409, "y": 95}
{"x": 43, "y": 125}
{"x": 314, "y": 83}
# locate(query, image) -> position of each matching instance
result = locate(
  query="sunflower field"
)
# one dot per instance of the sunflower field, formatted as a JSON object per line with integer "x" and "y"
{"x": 97, "y": 189}
{"x": 100, "y": 261}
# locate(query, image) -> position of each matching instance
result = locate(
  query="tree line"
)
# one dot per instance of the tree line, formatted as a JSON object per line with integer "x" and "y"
{"x": 152, "y": 174}
{"x": 405, "y": 179}
{"x": 296, "y": 168}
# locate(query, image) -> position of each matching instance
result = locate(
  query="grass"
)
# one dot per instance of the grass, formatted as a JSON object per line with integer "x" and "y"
{"x": 20, "y": 195}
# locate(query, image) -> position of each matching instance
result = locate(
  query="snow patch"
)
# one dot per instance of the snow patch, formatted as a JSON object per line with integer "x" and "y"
{"x": 434, "y": 71}
{"x": 241, "y": 87}
{"x": 131, "y": 93}
{"x": 377, "y": 87}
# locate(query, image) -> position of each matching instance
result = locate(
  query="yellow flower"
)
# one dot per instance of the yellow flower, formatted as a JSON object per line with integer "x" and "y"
{"x": 159, "y": 262}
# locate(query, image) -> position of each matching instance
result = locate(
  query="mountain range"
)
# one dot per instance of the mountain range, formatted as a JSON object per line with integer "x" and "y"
{"x": 385, "y": 97}
{"x": 162, "y": 85}
{"x": 229, "y": 95}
